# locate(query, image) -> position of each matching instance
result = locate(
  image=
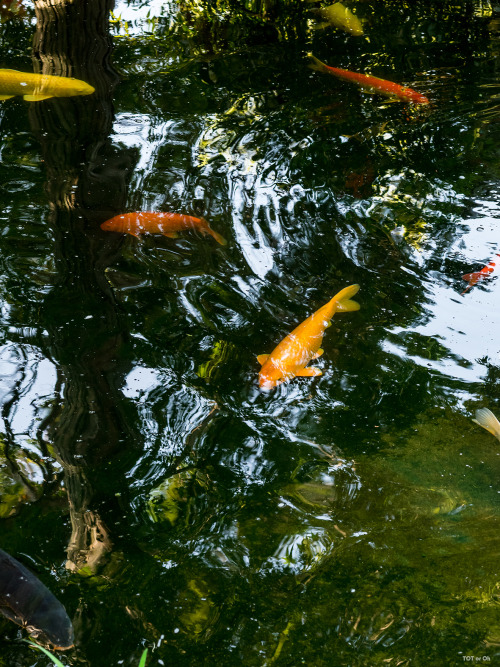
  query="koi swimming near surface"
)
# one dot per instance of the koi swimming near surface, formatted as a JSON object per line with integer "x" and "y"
{"x": 290, "y": 357}
{"x": 338, "y": 16}
{"x": 473, "y": 278}
{"x": 150, "y": 222}
{"x": 486, "y": 419}
{"x": 37, "y": 87}
{"x": 25, "y": 600}
{"x": 370, "y": 84}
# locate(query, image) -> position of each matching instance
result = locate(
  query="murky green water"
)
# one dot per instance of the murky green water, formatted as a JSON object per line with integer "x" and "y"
{"x": 348, "y": 519}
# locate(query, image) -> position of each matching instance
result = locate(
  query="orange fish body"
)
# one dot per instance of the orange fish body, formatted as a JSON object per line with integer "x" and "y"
{"x": 150, "y": 222}
{"x": 473, "y": 278}
{"x": 370, "y": 83}
{"x": 290, "y": 358}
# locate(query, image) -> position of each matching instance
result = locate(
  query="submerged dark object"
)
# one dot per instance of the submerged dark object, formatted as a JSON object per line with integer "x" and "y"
{"x": 29, "y": 603}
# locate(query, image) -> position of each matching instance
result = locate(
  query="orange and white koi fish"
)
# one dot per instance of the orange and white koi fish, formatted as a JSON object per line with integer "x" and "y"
{"x": 150, "y": 222}
{"x": 290, "y": 358}
{"x": 473, "y": 278}
{"x": 487, "y": 420}
{"x": 338, "y": 16}
{"x": 36, "y": 87}
{"x": 370, "y": 84}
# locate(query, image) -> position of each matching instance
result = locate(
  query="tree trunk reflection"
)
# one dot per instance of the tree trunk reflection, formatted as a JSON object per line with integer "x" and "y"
{"x": 86, "y": 183}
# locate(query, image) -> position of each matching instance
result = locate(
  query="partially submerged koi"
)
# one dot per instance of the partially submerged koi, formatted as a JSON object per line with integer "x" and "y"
{"x": 370, "y": 84}
{"x": 290, "y": 357}
{"x": 486, "y": 419}
{"x": 25, "y": 600}
{"x": 36, "y": 87}
{"x": 150, "y": 222}
{"x": 473, "y": 278}
{"x": 338, "y": 16}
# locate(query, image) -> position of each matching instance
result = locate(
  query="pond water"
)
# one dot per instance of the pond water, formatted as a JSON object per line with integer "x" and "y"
{"x": 168, "y": 502}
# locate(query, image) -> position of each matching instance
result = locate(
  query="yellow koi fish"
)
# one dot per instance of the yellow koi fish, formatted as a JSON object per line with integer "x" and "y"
{"x": 339, "y": 16}
{"x": 487, "y": 420}
{"x": 36, "y": 87}
{"x": 291, "y": 356}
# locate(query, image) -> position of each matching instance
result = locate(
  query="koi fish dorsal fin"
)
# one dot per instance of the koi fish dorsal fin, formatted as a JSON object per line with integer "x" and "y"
{"x": 343, "y": 300}
{"x": 487, "y": 420}
{"x": 262, "y": 358}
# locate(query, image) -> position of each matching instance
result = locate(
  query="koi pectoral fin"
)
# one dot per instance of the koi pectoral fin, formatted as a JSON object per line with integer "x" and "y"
{"x": 6, "y": 97}
{"x": 309, "y": 372}
{"x": 318, "y": 353}
{"x": 36, "y": 98}
{"x": 262, "y": 358}
{"x": 321, "y": 26}
{"x": 171, "y": 235}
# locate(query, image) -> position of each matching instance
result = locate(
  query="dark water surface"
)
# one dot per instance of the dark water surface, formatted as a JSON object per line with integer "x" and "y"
{"x": 348, "y": 519}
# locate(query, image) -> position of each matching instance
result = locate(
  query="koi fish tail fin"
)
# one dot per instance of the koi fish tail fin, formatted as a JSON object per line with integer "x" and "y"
{"x": 220, "y": 239}
{"x": 206, "y": 229}
{"x": 487, "y": 420}
{"x": 316, "y": 64}
{"x": 343, "y": 302}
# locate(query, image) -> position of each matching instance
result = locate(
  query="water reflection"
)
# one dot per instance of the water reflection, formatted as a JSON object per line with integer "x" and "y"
{"x": 354, "y": 514}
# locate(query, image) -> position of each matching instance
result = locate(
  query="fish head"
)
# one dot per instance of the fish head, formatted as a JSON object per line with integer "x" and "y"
{"x": 266, "y": 384}
{"x": 57, "y": 642}
{"x": 109, "y": 225}
{"x": 85, "y": 88}
{"x": 54, "y": 630}
{"x": 79, "y": 87}
{"x": 120, "y": 223}
{"x": 270, "y": 377}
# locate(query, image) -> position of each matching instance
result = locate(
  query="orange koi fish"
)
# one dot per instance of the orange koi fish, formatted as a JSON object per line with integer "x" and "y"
{"x": 150, "y": 222}
{"x": 486, "y": 419}
{"x": 473, "y": 278}
{"x": 290, "y": 358}
{"x": 370, "y": 84}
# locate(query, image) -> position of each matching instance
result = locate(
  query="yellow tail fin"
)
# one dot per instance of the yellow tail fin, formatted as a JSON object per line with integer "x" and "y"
{"x": 206, "y": 229}
{"x": 343, "y": 300}
{"x": 487, "y": 420}
{"x": 220, "y": 239}
{"x": 316, "y": 64}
